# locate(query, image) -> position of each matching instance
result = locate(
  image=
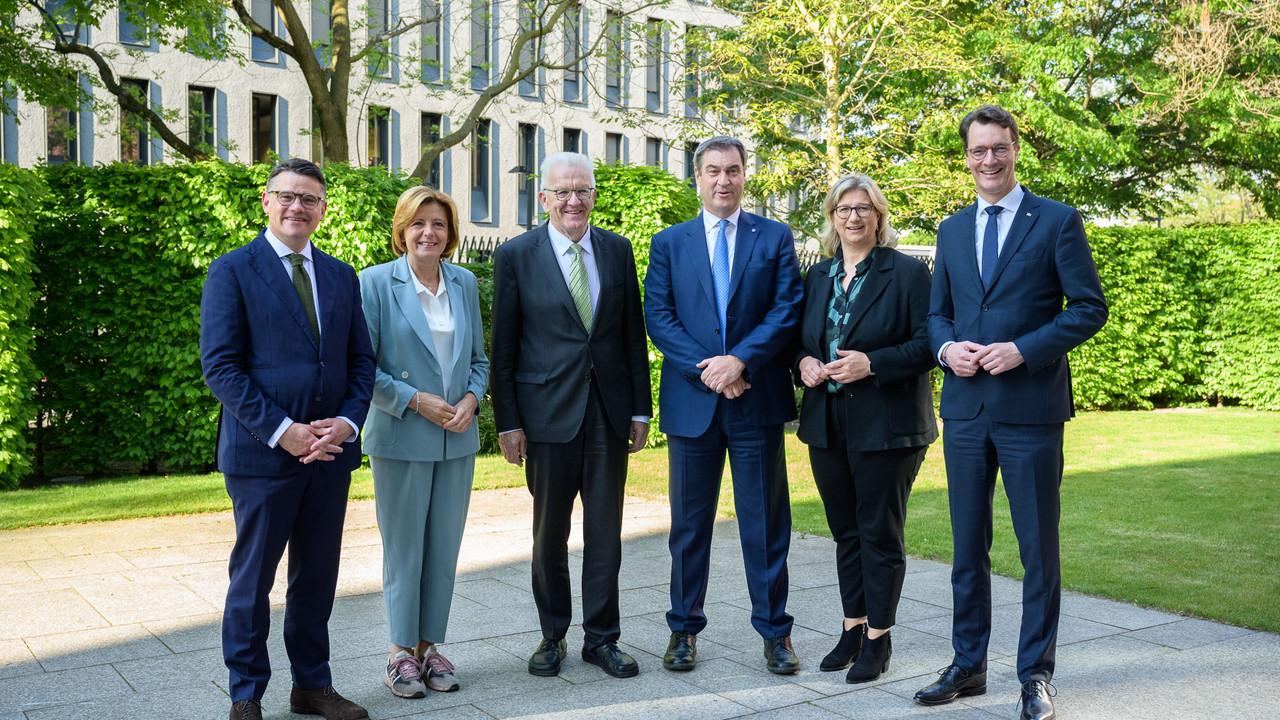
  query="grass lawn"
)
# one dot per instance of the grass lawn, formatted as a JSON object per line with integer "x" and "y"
{"x": 1178, "y": 510}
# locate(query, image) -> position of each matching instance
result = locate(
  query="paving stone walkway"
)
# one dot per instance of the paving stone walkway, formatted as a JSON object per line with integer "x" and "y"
{"x": 122, "y": 620}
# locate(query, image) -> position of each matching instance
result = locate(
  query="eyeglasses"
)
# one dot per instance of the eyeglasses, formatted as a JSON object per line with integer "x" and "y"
{"x": 286, "y": 198}
{"x": 999, "y": 151}
{"x": 843, "y": 211}
{"x": 562, "y": 195}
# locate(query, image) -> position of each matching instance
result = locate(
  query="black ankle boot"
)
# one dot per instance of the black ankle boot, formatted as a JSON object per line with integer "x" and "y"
{"x": 846, "y": 651}
{"x": 872, "y": 661}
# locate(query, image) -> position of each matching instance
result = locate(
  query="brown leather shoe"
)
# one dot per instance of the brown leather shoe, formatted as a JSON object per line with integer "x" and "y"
{"x": 324, "y": 701}
{"x": 246, "y": 710}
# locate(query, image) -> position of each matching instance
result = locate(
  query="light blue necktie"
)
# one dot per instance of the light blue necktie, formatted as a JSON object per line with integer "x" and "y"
{"x": 720, "y": 276}
{"x": 990, "y": 246}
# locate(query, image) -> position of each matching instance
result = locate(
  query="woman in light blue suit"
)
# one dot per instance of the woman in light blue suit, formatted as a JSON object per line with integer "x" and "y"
{"x": 421, "y": 439}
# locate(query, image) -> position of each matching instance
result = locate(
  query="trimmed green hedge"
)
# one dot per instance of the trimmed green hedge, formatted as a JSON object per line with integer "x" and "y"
{"x": 101, "y": 271}
{"x": 20, "y": 195}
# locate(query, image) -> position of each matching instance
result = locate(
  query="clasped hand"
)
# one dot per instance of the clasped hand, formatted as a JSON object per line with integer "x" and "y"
{"x": 319, "y": 440}
{"x": 966, "y": 357}
{"x": 723, "y": 374}
{"x": 454, "y": 418}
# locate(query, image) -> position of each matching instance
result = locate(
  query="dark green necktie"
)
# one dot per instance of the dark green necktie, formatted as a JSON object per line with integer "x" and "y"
{"x": 302, "y": 284}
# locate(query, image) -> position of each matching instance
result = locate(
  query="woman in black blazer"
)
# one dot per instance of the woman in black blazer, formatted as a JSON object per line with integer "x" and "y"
{"x": 867, "y": 414}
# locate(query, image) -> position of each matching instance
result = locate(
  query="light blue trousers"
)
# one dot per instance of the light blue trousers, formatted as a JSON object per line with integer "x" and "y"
{"x": 422, "y": 511}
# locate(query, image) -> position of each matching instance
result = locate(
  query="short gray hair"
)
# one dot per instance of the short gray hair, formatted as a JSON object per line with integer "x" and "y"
{"x": 722, "y": 143}
{"x": 564, "y": 159}
{"x": 830, "y": 238}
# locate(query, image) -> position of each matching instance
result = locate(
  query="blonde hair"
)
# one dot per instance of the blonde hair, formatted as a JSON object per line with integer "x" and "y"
{"x": 830, "y": 238}
{"x": 407, "y": 206}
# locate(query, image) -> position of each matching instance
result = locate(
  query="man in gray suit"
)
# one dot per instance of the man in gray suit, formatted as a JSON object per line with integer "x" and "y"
{"x": 571, "y": 395}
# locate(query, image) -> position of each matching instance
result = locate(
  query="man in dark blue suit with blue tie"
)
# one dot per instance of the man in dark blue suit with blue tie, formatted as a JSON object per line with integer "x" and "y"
{"x": 1014, "y": 289}
{"x": 285, "y": 349}
{"x": 722, "y": 302}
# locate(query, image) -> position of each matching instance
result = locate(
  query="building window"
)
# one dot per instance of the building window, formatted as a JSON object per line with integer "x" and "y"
{"x": 201, "y": 131}
{"x": 693, "y": 38}
{"x": 264, "y": 127}
{"x": 135, "y": 133}
{"x": 379, "y": 21}
{"x": 654, "y": 65}
{"x": 321, "y": 30}
{"x": 613, "y": 60}
{"x": 528, "y": 57}
{"x": 654, "y": 154}
{"x": 480, "y": 176}
{"x": 70, "y": 29}
{"x": 431, "y": 126}
{"x": 613, "y": 148}
{"x": 265, "y": 14}
{"x": 572, "y": 140}
{"x": 526, "y": 214}
{"x": 133, "y": 30}
{"x": 481, "y": 43}
{"x": 573, "y": 49}
{"x": 432, "y": 39}
{"x": 317, "y": 137}
{"x": 379, "y": 136}
{"x": 60, "y": 134}
{"x": 690, "y": 152}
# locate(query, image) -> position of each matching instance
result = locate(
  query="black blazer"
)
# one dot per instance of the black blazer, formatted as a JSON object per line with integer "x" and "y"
{"x": 894, "y": 407}
{"x": 543, "y": 357}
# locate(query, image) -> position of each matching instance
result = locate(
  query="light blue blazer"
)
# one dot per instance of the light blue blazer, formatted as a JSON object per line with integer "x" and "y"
{"x": 407, "y": 362}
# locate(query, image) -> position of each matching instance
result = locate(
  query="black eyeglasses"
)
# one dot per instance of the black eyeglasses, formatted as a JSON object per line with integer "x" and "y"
{"x": 580, "y": 193}
{"x": 286, "y": 198}
{"x": 999, "y": 151}
{"x": 843, "y": 211}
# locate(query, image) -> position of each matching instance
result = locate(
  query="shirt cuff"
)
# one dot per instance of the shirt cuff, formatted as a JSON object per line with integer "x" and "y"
{"x": 640, "y": 418}
{"x": 275, "y": 436}
{"x": 355, "y": 431}
{"x": 508, "y": 432}
{"x": 942, "y": 353}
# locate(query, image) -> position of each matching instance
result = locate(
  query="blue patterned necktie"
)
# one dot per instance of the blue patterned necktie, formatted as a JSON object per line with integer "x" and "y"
{"x": 720, "y": 275}
{"x": 990, "y": 245}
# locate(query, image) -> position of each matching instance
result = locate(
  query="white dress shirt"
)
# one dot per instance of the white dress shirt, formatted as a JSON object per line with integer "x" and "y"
{"x": 439, "y": 313}
{"x": 709, "y": 223}
{"x": 564, "y": 255}
{"x": 284, "y": 251}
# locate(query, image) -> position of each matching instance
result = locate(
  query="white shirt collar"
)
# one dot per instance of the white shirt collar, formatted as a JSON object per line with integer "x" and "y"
{"x": 1010, "y": 202}
{"x": 419, "y": 288}
{"x": 561, "y": 242}
{"x": 709, "y": 221}
{"x": 283, "y": 250}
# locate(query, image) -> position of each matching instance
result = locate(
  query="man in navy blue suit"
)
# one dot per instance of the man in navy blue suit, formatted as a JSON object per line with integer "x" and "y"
{"x": 722, "y": 302}
{"x": 285, "y": 349}
{"x": 1000, "y": 327}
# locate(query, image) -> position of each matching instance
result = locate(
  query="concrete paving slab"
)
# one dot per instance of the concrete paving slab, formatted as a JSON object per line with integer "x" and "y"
{"x": 16, "y": 659}
{"x": 44, "y": 612}
{"x": 493, "y": 593}
{"x": 656, "y": 697}
{"x": 881, "y": 705}
{"x": 188, "y": 669}
{"x": 26, "y": 693}
{"x": 99, "y": 646}
{"x": 181, "y": 556}
{"x": 17, "y": 573}
{"x": 61, "y": 567}
{"x": 123, "y": 601}
{"x": 747, "y": 684}
{"x": 184, "y": 634}
{"x": 914, "y": 654}
{"x": 1111, "y": 612}
{"x": 1188, "y": 633}
{"x": 202, "y": 700}
{"x": 20, "y": 546}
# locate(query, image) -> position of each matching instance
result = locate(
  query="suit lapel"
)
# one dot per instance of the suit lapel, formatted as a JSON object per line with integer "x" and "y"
{"x": 326, "y": 289}
{"x": 1023, "y": 220}
{"x": 743, "y": 245}
{"x": 821, "y": 299}
{"x": 879, "y": 275}
{"x": 967, "y": 247}
{"x": 548, "y": 266}
{"x": 695, "y": 249}
{"x": 607, "y": 270}
{"x": 410, "y": 306}
{"x": 460, "y": 330}
{"x": 265, "y": 262}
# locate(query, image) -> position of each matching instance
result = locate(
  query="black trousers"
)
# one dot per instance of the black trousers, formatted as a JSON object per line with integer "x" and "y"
{"x": 593, "y": 463}
{"x": 865, "y": 497}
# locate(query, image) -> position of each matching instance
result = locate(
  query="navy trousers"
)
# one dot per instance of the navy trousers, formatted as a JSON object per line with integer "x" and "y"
{"x": 761, "y": 500}
{"x": 1029, "y": 459}
{"x": 305, "y": 511}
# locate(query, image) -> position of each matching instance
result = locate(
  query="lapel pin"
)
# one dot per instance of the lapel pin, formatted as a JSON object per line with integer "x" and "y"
{"x": 1028, "y": 214}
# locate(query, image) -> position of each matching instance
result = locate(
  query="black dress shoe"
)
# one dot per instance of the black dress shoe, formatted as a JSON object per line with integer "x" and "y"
{"x": 846, "y": 651}
{"x": 1036, "y": 701}
{"x": 682, "y": 651}
{"x": 545, "y": 661}
{"x": 778, "y": 656}
{"x": 246, "y": 710}
{"x": 953, "y": 682}
{"x": 873, "y": 661}
{"x": 610, "y": 659}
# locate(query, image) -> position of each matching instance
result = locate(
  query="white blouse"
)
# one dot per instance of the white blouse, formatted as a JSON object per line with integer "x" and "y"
{"x": 440, "y": 319}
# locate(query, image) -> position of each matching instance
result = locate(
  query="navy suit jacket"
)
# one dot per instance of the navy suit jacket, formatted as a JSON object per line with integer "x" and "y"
{"x": 763, "y": 315}
{"x": 1045, "y": 259}
{"x": 261, "y": 361}
{"x": 543, "y": 356}
{"x": 408, "y": 362}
